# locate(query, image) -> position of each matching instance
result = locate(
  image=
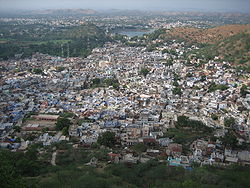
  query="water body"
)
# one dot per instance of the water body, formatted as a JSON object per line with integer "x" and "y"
{"x": 133, "y": 32}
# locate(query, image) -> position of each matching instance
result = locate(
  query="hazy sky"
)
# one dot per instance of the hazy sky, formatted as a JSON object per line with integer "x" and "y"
{"x": 184, "y": 5}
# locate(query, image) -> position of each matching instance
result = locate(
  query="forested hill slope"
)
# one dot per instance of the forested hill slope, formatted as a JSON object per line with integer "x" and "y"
{"x": 210, "y": 36}
{"x": 234, "y": 49}
{"x": 229, "y": 42}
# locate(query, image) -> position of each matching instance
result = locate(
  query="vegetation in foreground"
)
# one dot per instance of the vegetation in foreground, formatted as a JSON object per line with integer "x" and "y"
{"x": 32, "y": 169}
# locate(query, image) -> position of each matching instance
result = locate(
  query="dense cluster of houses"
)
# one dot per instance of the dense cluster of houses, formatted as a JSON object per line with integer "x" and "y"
{"x": 140, "y": 110}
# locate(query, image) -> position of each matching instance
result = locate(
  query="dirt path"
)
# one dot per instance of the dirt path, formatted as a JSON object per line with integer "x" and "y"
{"x": 53, "y": 160}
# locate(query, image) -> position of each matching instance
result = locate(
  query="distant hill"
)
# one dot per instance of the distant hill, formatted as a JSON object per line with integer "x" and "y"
{"x": 83, "y": 31}
{"x": 235, "y": 49}
{"x": 229, "y": 42}
{"x": 64, "y": 12}
{"x": 210, "y": 36}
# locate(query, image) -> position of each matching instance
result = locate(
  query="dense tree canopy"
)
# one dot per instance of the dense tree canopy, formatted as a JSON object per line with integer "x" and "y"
{"x": 229, "y": 122}
{"x": 243, "y": 90}
{"x": 139, "y": 148}
{"x": 177, "y": 91}
{"x": 25, "y": 170}
{"x": 229, "y": 140}
{"x": 184, "y": 121}
{"x": 107, "y": 139}
{"x": 144, "y": 72}
{"x": 63, "y": 124}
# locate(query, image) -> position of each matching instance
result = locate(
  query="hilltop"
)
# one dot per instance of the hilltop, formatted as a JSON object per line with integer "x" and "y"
{"x": 210, "y": 36}
{"x": 63, "y": 12}
{"x": 236, "y": 48}
{"x": 228, "y": 42}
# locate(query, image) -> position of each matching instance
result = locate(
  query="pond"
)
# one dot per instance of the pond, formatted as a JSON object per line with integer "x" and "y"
{"x": 134, "y": 32}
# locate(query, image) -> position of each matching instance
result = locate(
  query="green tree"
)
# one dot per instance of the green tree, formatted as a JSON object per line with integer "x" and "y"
{"x": 144, "y": 72}
{"x": 151, "y": 48}
{"x": 164, "y": 51}
{"x": 189, "y": 74}
{"x": 229, "y": 122}
{"x": 27, "y": 167}
{"x": 213, "y": 87}
{"x": 182, "y": 121}
{"x": 31, "y": 154}
{"x": 169, "y": 62}
{"x": 116, "y": 86}
{"x": 9, "y": 173}
{"x": 18, "y": 140}
{"x": 214, "y": 117}
{"x": 60, "y": 69}
{"x": 96, "y": 81}
{"x": 156, "y": 34}
{"x": 67, "y": 115}
{"x": 203, "y": 78}
{"x": 107, "y": 139}
{"x": 243, "y": 90}
{"x": 139, "y": 148}
{"x": 112, "y": 82}
{"x": 229, "y": 140}
{"x": 175, "y": 84}
{"x": 62, "y": 123}
{"x": 38, "y": 71}
{"x": 177, "y": 91}
{"x": 176, "y": 76}
{"x": 45, "y": 129}
{"x": 17, "y": 129}
{"x": 65, "y": 131}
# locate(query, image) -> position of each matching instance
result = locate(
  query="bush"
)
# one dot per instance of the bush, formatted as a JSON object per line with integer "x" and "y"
{"x": 243, "y": 90}
{"x": 229, "y": 140}
{"x": 229, "y": 122}
{"x": 213, "y": 87}
{"x": 214, "y": 117}
{"x": 37, "y": 71}
{"x": 144, "y": 72}
{"x": 184, "y": 121}
{"x": 177, "y": 91}
{"x": 107, "y": 139}
{"x": 139, "y": 148}
{"x": 62, "y": 123}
